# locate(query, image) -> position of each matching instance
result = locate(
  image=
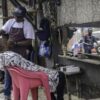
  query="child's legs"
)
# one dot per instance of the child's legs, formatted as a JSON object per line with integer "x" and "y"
{"x": 7, "y": 84}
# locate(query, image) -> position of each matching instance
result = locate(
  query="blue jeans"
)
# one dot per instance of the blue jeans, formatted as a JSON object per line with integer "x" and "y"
{"x": 7, "y": 84}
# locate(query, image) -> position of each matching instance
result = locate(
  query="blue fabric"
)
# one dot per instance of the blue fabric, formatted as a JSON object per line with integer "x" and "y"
{"x": 45, "y": 49}
{"x": 8, "y": 84}
{"x": 45, "y": 33}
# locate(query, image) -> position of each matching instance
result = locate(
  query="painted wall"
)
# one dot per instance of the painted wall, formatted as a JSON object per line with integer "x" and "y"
{"x": 78, "y": 11}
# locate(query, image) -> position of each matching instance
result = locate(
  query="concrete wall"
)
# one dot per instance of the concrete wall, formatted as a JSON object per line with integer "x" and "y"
{"x": 78, "y": 11}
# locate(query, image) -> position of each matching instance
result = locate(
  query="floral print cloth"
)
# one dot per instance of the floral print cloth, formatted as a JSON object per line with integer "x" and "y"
{"x": 11, "y": 59}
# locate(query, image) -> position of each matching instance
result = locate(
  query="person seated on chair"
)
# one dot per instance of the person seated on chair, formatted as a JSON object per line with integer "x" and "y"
{"x": 56, "y": 78}
{"x": 88, "y": 42}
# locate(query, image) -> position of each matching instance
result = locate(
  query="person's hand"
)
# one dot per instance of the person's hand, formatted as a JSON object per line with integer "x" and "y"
{"x": 2, "y": 32}
{"x": 10, "y": 44}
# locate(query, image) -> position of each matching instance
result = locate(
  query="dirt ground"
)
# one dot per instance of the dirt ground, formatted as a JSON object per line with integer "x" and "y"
{"x": 43, "y": 97}
{"x": 41, "y": 94}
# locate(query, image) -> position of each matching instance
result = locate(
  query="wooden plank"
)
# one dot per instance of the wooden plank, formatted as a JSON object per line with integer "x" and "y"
{"x": 4, "y": 10}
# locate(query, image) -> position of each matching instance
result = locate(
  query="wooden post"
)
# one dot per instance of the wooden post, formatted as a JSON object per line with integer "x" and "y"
{"x": 5, "y": 18}
{"x": 4, "y": 10}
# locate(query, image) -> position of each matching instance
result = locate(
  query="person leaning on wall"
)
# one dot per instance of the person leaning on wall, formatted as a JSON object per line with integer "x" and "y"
{"x": 21, "y": 33}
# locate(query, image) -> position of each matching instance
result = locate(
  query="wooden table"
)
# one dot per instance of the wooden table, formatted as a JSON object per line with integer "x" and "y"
{"x": 84, "y": 60}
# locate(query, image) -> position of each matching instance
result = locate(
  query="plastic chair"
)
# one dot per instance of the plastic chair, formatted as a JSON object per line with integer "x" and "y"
{"x": 23, "y": 81}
